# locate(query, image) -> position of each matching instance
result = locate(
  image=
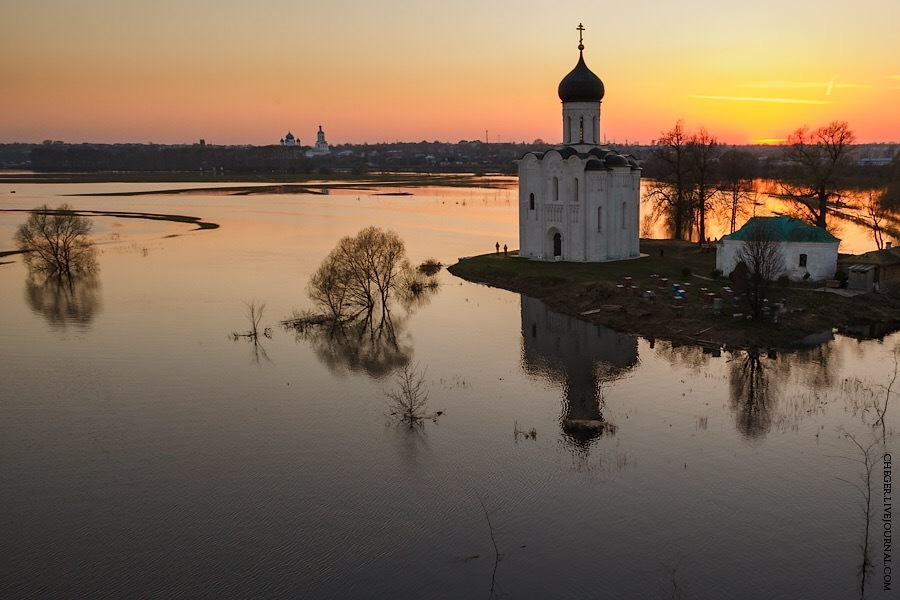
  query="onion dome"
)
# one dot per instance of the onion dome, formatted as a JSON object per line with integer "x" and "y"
{"x": 581, "y": 85}
{"x": 616, "y": 160}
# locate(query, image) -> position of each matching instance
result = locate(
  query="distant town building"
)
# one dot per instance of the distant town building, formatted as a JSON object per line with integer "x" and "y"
{"x": 579, "y": 201}
{"x": 289, "y": 140}
{"x": 321, "y": 147}
{"x": 808, "y": 252}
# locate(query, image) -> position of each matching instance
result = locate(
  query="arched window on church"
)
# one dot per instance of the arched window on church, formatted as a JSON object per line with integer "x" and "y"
{"x": 568, "y": 130}
{"x": 555, "y": 195}
{"x": 576, "y": 190}
{"x": 581, "y": 129}
{"x": 599, "y": 219}
{"x": 624, "y": 216}
{"x": 594, "y": 131}
{"x": 531, "y": 201}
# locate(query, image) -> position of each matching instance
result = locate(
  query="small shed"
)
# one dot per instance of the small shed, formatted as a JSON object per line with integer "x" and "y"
{"x": 809, "y": 252}
{"x": 864, "y": 271}
{"x": 861, "y": 277}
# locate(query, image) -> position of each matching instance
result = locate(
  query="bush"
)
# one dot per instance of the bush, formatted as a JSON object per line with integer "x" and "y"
{"x": 784, "y": 281}
{"x": 715, "y": 273}
{"x": 430, "y": 267}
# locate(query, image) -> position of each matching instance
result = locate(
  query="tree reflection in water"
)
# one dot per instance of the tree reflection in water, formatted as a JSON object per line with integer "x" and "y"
{"x": 65, "y": 300}
{"x": 376, "y": 347}
{"x": 579, "y": 357}
{"x": 751, "y": 394}
{"x": 756, "y": 384}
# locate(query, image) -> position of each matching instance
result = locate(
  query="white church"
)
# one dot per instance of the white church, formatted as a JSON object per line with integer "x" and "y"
{"x": 579, "y": 201}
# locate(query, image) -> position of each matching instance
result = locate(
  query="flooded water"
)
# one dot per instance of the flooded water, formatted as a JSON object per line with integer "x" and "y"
{"x": 145, "y": 453}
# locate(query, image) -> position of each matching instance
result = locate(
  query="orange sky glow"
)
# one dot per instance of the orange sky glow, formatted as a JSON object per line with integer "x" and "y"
{"x": 398, "y": 70}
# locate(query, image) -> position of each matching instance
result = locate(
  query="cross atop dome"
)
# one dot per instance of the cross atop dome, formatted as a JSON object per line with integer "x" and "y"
{"x": 581, "y": 84}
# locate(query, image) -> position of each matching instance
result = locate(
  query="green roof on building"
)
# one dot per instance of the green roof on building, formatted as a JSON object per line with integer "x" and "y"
{"x": 785, "y": 229}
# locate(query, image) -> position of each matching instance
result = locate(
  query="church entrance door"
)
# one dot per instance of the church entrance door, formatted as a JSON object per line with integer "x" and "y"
{"x": 557, "y": 244}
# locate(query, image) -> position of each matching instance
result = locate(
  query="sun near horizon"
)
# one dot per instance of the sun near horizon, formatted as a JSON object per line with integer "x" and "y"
{"x": 231, "y": 73}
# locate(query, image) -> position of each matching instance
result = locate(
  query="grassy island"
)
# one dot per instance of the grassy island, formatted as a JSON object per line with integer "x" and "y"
{"x": 602, "y": 294}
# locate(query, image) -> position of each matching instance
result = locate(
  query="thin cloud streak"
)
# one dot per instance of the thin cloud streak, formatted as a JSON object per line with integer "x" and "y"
{"x": 769, "y": 100}
{"x": 803, "y": 85}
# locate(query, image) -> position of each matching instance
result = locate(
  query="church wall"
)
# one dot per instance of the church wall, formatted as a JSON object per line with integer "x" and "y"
{"x": 615, "y": 192}
{"x": 531, "y": 221}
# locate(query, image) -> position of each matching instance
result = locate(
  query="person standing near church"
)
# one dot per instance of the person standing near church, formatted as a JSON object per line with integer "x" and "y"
{"x": 497, "y": 245}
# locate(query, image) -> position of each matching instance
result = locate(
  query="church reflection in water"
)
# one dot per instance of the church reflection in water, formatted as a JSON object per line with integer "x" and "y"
{"x": 578, "y": 356}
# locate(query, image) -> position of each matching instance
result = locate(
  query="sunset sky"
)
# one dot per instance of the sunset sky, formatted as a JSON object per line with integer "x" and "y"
{"x": 176, "y": 71}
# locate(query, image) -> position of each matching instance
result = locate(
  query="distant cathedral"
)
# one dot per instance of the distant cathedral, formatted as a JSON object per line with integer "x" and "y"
{"x": 579, "y": 201}
{"x": 321, "y": 147}
{"x": 289, "y": 140}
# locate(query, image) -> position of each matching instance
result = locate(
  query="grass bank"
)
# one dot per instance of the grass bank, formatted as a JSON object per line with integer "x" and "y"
{"x": 595, "y": 292}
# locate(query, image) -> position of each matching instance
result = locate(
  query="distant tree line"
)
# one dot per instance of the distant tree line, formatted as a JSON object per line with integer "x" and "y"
{"x": 437, "y": 157}
{"x": 156, "y": 158}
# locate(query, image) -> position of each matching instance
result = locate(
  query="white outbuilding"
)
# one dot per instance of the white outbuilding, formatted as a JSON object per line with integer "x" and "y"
{"x": 808, "y": 252}
{"x": 579, "y": 201}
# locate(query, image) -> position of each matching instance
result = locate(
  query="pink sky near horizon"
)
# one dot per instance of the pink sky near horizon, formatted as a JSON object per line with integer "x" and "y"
{"x": 236, "y": 73}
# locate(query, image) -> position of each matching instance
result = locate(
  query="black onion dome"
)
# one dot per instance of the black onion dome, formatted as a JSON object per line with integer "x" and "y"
{"x": 581, "y": 85}
{"x": 616, "y": 160}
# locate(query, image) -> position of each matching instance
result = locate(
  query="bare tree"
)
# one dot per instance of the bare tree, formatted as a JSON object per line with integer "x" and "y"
{"x": 819, "y": 160}
{"x": 875, "y": 214}
{"x": 357, "y": 287}
{"x": 360, "y": 275}
{"x": 703, "y": 150}
{"x": 670, "y": 189}
{"x": 736, "y": 170}
{"x": 764, "y": 259}
{"x": 254, "y": 311}
{"x": 56, "y": 242}
{"x": 891, "y": 198}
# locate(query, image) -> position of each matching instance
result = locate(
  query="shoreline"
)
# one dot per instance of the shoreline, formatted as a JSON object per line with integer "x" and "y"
{"x": 593, "y": 292}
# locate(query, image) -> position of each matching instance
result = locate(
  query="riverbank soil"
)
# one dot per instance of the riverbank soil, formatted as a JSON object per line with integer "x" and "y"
{"x": 637, "y": 296}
